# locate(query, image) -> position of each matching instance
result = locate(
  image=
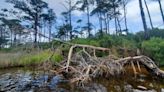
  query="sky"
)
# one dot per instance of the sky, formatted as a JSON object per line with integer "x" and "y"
{"x": 133, "y": 14}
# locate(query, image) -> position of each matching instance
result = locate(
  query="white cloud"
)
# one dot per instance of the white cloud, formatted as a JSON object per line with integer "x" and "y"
{"x": 77, "y": 13}
{"x": 56, "y": 5}
{"x": 134, "y": 17}
{"x": 133, "y": 12}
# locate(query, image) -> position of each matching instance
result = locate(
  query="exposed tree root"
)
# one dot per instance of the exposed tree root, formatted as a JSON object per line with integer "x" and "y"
{"x": 82, "y": 66}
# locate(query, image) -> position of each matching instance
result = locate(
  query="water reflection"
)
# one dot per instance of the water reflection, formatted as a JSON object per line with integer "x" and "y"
{"x": 24, "y": 80}
{"x": 28, "y": 81}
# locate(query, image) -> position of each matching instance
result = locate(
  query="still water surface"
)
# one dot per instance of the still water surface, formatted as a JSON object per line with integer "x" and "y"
{"x": 29, "y": 80}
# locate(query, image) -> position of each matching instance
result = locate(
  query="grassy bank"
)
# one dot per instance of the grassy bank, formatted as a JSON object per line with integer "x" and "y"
{"x": 16, "y": 59}
{"x": 121, "y": 46}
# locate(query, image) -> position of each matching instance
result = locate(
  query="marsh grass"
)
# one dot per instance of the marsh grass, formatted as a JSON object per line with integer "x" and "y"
{"x": 27, "y": 59}
{"x": 8, "y": 59}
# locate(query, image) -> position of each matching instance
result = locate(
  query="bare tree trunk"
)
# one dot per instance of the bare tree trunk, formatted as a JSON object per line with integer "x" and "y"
{"x": 115, "y": 19}
{"x": 70, "y": 19}
{"x": 143, "y": 19}
{"x": 15, "y": 39}
{"x": 125, "y": 17}
{"x": 151, "y": 23}
{"x": 36, "y": 30}
{"x": 44, "y": 30}
{"x": 101, "y": 24}
{"x": 11, "y": 39}
{"x": 50, "y": 26}
{"x": 160, "y": 6}
{"x": 88, "y": 19}
{"x": 1, "y": 36}
{"x": 1, "y": 32}
{"x": 35, "y": 34}
{"x": 119, "y": 25}
{"x": 108, "y": 25}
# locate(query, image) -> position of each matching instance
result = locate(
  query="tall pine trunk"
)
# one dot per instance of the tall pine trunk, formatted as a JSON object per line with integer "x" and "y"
{"x": 151, "y": 23}
{"x": 35, "y": 30}
{"x": 1, "y": 36}
{"x": 119, "y": 26}
{"x": 160, "y": 6}
{"x": 70, "y": 20}
{"x": 108, "y": 25}
{"x": 35, "y": 34}
{"x": 50, "y": 27}
{"x": 125, "y": 17}
{"x": 11, "y": 35}
{"x": 143, "y": 19}
{"x": 115, "y": 19}
{"x": 100, "y": 23}
{"x": 88, "y": 19}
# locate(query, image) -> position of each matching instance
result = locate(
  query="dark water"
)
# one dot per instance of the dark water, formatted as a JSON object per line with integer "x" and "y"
{"x": 30, "y": 80}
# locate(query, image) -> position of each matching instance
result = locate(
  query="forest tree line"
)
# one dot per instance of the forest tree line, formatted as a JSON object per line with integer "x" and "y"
{"x": 34, "y": 20}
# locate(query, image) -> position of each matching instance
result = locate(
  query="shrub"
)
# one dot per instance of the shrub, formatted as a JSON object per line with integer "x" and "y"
{"x": 57, "y": 57}
{"x": 106, "y": 41}
{"x": 85, "y": 41}
{"x": 155, "y": 49}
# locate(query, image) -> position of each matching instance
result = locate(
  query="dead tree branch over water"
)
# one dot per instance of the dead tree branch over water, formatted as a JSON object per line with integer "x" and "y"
{"x": 83, "y": 65}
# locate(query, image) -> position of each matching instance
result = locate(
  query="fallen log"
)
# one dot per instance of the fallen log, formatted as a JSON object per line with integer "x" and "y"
{"x": 146, "y": 62}
{"x": 82, "y": 66}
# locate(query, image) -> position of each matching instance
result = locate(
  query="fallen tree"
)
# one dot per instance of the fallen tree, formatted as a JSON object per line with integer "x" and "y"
{"x": 83, "y": 65}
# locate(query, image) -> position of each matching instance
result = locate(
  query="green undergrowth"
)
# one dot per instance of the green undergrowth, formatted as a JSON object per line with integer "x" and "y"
{"x": 154, "y": 48}
{"x": 108, "y": 41}
{"x": 115, "y": 43}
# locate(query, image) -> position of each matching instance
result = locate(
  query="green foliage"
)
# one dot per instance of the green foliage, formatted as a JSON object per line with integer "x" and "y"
{"x": 156, "y": 33}
{"x": 85, "y": 41}
{"x": 152, "y": 33}
{"x": 131, "y": 44}
{"x": 3, "y": 41}
{"x": 44, "y": 45}
{"x": 39, "y": 57}
{"x": 5, "y": 49}
{"x": 108, "y": 41}
{"x": 57, "y": 57}
{"x": 155, "y": 49}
